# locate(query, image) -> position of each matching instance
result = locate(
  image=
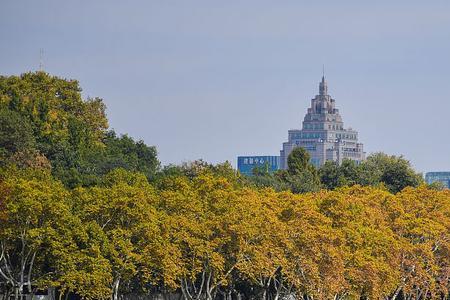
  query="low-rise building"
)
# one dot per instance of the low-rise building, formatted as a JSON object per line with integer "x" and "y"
{"x": 442, "y": 177}
{"x": 246, "y": 164}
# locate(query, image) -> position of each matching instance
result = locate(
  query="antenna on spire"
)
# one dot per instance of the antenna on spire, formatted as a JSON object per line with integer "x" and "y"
{"x": 41, "y": 57}
{"x": 323, "y": 88}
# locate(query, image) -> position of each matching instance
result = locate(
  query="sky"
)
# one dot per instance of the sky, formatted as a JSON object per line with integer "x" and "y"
{"x": 218, "y": 79}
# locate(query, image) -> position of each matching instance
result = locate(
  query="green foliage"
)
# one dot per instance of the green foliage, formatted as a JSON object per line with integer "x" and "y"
{"x": 396, "y": 172}
{"x": 90, "y": 213}
{"x": 201, "y": 234}
{"x": 121, "y": 213}
{"x": 269, "y": 180}
{"x": 437, "y": 185}
{"x": 302, "y": 182}
{"x": 42, "y": 243}
{"x": 195, "y": 168}
{"x": 44, "y": 117}
{"x": 15, "y": 133}
{"x": 298, "y": 161}
{"x": 60, "y": 119}
{"x": 124, "y": 152}
{"x": 333, "y": 175}
{"x": 329, "y": 174}
{"x": 301, "y": 175}
{"x": 393, "y": 172}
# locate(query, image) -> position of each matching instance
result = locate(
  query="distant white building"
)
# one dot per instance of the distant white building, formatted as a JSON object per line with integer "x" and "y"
{"x": 323, "y": 134}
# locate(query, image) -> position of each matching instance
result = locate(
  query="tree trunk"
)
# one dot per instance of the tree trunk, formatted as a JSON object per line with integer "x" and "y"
{"x": 397, "y": 291}
{"x": 30, "y": 272}
{"x": 115, "y": 289}
{"x": 184, "y": 290}
{"x": 209, "y": 288}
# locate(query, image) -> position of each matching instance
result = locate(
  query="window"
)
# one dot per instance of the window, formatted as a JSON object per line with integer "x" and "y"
{"x": 315, "y": 162}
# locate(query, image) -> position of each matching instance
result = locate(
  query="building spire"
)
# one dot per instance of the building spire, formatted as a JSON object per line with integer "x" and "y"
{"x": 323, "y": 87}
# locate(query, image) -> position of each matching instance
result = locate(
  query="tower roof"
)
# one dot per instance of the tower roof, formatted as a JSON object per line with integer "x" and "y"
{"x": 323, "y": 86}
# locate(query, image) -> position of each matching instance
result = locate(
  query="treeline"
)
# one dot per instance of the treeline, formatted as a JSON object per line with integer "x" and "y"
{"x": 44, "y": 122}
{"x": 204, "y": 235}
{"x": 379, "y": 169}
{"x": 93, "y": 215}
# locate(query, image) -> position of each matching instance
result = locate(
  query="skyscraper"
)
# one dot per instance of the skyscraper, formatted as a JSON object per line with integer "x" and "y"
{"x": 323, "y": 134}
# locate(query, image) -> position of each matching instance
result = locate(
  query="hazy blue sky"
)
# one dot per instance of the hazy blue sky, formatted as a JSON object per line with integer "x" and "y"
{"x": 217, "y": 79}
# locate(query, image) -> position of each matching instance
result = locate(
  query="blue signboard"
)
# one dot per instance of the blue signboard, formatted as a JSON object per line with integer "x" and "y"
{"x": 246, "y": 164}
{"x": 443, "y": 177}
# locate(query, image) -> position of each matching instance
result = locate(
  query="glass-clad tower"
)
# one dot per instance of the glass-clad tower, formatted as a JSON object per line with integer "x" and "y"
{"x": 323, "y": 134}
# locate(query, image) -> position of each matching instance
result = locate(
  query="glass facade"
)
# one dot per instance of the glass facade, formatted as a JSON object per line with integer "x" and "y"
{"x": 442, "y": 177}
{"x": 246, "y": 164}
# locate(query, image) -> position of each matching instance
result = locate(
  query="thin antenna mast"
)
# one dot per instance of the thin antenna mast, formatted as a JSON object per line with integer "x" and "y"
{"x": 41, "y": 63}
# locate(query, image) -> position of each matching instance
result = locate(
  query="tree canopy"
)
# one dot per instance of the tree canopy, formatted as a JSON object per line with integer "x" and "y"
{"x": 44, "y": 118}
{"x": 392, "y": 172}
{"x": 206, "y": 235}
{"x": 91, "y": 214}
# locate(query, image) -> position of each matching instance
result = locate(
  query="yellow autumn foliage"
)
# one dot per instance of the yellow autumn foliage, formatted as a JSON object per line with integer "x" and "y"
{"x": 209, "y": 236}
